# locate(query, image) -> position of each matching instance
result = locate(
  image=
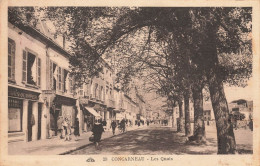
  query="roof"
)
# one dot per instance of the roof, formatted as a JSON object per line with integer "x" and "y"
{"x": 240, "y": 101}
{"x": 46, "y": 38}
{"x": 41, "y": 37}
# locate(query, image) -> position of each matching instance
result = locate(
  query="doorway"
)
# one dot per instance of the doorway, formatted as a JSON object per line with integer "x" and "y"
{"x": 29, "y": 121}
{"x": 39, "y": 121}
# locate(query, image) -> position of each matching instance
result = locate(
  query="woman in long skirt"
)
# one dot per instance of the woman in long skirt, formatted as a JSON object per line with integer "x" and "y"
{"x": 97, "y": 132}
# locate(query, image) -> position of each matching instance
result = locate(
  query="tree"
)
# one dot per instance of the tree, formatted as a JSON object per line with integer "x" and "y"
{"x": 211, "y": 46}
{"x": 220, "y": 30}
{"x": 210, "y": 34}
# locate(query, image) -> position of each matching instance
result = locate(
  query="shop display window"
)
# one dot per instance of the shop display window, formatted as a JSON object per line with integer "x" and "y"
{"x": 14, "y": 115}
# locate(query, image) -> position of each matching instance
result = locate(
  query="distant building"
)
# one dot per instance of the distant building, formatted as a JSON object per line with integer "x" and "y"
{"x": 208, "y": 112}
{"x": 242, "y": 106}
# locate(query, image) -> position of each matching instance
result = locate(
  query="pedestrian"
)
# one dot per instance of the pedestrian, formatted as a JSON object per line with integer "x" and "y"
{"x": 60, "y": 127}
{"x": 130, "y": 123}
{"x": 122, "y": 125}
{"x": 67, "y": 129}
{"x": 250, "y": 124}
{"x": 138, "y": 123}
{"x": 97, "y": 132}
{"x": 113, "y": 126}
{"x": 76, "y": 129}
{"x": 104, "y": 123}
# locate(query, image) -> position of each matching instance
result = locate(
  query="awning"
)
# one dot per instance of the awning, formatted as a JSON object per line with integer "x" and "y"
{"x": 92, "y": 111}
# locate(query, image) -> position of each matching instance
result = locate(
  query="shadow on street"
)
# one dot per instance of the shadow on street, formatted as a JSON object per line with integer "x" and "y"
{"x": 151, "y": 141}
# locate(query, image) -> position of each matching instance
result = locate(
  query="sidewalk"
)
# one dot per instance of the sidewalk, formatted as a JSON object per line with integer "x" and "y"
{"x": 55, "y": 145}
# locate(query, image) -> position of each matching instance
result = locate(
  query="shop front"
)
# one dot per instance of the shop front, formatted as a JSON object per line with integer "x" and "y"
{"x": 62, "y": 107}
{"x": 89, "y": 114}
{"x": 24, "y": 115}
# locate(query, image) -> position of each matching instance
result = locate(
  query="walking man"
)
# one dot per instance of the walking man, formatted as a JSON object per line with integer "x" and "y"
{"x": 113, "y": 126}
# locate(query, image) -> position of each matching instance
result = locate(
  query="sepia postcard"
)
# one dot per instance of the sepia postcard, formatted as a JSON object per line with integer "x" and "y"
{"x": 129, "y": 82}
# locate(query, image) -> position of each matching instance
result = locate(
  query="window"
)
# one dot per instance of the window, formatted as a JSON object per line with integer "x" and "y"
{"x": 31, "y": 73}
{"x": 14, "y": 115}
{"x": 71, "y": 84}
{"x": 60, "y": 79}
{"x": 86, "y": 93}
{"x": 53, "y": 75}
{"x": 81, "y": 91}
{"x": 96, "y": 91}
{"x": 11, "y": 59}
{"x": 66, "y": 85}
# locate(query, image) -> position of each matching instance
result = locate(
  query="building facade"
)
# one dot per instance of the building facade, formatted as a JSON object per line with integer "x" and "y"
{"x": 39, "y": 87}
{"x": 41, "y": 92}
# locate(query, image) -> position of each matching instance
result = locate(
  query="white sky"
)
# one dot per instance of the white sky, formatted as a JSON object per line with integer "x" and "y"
{"x": 234, "y": 93}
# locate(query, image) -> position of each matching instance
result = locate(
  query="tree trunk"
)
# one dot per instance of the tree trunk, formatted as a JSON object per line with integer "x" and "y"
{"x": 173, "y": 117}
{"x": 199, "y": 125}
{"x": 180, "y": 127}
{"x": 225, "y": 134}
{"x": 187, "y": 114}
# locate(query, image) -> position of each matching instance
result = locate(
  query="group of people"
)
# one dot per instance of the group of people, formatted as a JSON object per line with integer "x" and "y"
{"x": 64, "y": 128}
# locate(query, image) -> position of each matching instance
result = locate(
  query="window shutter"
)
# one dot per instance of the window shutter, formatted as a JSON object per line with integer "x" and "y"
{"x": 62, "y": 80}
{"x": 59, "y": 78}
{"x": 39, "y": 72}
{"x": 9, "y": 59}
{"x": 24, "y": 77}
{"x": 51, "y": 75}
{"x": 13, "y": 61}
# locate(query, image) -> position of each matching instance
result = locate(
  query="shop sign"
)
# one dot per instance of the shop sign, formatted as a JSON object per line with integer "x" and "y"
{"x": 20, "y": 93}
{"x": 59, "y": 100}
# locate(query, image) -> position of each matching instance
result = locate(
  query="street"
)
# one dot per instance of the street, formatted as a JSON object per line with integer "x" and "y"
{"x": 157, "y": 140}
{"x": 151, "y": 140}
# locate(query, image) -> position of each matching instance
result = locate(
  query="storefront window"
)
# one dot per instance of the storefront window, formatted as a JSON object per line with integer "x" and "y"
{"x": 14, "y": 115}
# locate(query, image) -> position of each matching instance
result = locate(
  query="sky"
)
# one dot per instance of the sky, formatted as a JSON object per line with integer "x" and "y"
{"x": 234, "y": 93}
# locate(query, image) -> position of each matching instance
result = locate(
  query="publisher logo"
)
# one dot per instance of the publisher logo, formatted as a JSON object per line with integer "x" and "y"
{"x": 90, "y": 160}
